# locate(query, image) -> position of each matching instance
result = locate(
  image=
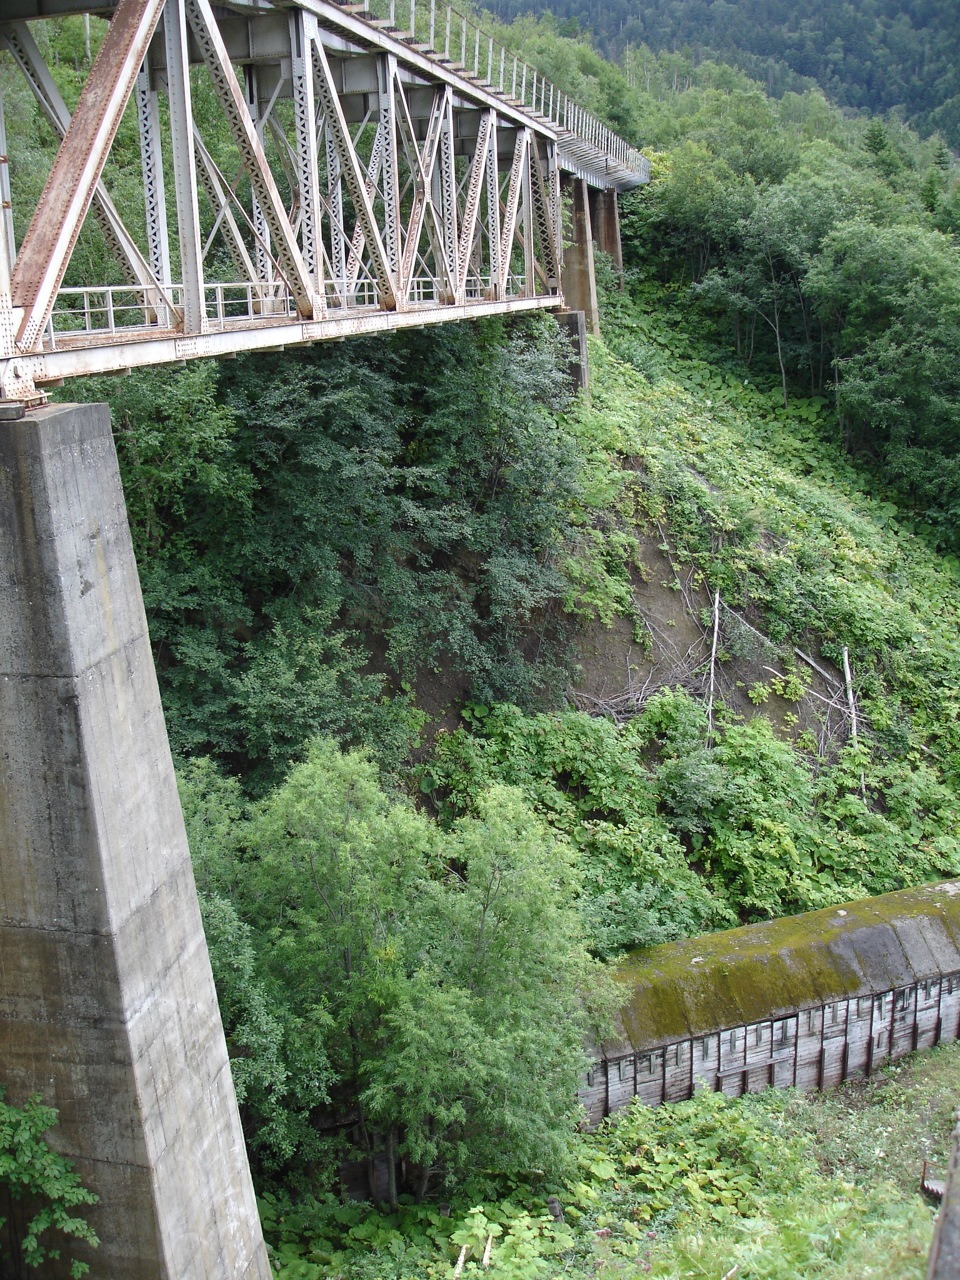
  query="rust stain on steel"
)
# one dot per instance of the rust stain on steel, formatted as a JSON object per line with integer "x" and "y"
{"x": 86, "y": 145}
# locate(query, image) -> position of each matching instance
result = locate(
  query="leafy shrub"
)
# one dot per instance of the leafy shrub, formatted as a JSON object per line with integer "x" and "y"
{"x": 40, "y": 1190}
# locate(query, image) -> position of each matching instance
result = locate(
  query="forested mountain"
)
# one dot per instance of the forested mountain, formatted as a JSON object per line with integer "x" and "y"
{"x": 874, "y": 55}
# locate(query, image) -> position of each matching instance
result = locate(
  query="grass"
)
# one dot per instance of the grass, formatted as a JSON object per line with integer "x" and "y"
{"x": 861, "y": 1214}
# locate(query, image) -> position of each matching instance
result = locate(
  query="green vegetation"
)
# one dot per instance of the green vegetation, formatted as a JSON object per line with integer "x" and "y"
{"x": 753, "y": 506}
{"x": 775, "y": 1184}
{"x": 38, "y": 1193}
{"x": 396, "y": 545}
{"x": 369, "y": 571}
{"x": 875, "y": 55}
{"x": 822, "y": 249}
{"x": 388, "y": 987}
{"x": 319, "y": 532}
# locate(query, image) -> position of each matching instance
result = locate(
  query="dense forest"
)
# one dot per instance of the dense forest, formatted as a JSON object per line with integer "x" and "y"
{"x": 475, "y": 683}
{"x": 878, "y": 56}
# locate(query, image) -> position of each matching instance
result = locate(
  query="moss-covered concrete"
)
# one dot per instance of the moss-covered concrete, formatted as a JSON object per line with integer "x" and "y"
{"x": 767, "y": 970}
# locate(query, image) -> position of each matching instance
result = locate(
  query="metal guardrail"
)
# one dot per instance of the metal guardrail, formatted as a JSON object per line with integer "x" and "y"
{"x": 457, "y": 39}
{"x": 116, "y": 310}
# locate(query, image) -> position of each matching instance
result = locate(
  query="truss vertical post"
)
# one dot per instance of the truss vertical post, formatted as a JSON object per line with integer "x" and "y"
{"x": 154, "y": 197}
{"x": 554, "y": 210}
{"x": 493, "y": 210}
{"x": 529, "y": 282}
{"x": 549, "y": 242}
{"x": 447, "y": 184}
{"x": 151, "y": 161}
{"x": 261, "y": 230}
{"x": 184, "y": 166}
{"x": 7, "y": 254}
{"x": 338, "y": 244}
{"x": 390, "y": 167}
{"x": 308, "y": 160}
{"x": 471, "y": 206}
{"x": 8, "y": 249}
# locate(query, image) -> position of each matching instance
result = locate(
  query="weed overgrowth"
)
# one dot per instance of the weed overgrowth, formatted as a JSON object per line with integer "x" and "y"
{"x": 778, "y": 1185}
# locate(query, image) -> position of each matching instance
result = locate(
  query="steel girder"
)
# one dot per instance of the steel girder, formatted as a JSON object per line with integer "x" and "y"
{"x": 325, "y": 178}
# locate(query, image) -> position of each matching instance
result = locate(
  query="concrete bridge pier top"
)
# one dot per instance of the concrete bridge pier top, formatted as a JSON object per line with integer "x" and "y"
{"x": 107, "y": 1006}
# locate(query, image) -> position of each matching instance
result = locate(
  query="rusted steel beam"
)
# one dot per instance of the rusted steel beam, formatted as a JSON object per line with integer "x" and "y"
{"x": 68, "y": 192}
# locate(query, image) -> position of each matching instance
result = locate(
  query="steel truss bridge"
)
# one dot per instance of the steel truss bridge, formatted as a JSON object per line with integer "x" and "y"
{"x": 364, "y": 170}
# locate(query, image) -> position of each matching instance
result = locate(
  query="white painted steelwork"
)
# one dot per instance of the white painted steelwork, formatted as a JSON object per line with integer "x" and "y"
{"x": 361, "y": 179}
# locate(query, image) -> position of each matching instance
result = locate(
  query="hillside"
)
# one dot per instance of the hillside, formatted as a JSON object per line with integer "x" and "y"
{"x": 475, "y": 683}
{"x": 694, "y": 499}
{"x": 877, "y": 56}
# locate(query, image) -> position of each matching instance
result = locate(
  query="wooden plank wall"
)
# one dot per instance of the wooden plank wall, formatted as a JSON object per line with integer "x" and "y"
{"x": 813, "y": 1048}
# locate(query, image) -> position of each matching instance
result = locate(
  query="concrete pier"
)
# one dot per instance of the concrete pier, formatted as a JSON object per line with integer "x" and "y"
{"x": 605, "y": 226}
{"x": 107, "y": 1005}
{"x": 574, "y": 325}
{"x": 579, "y": 280}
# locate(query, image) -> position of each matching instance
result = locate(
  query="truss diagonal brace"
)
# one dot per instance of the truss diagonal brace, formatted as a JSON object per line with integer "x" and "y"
{"x": 208, "y": 37}
{"x": 422, "y": 166}
{"x": 350, "y": 169}
{"x": 69, "y": 188}
{"x": 478, "y": 169}
{"x": 521, "y": 158}
{"x": 544, "y": 208}
{"x": 26, "y": 54}
{"x": 219, "y": 196}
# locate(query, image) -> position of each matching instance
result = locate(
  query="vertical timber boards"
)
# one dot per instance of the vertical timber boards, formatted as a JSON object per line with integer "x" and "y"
{"x": 816, "y": 1047}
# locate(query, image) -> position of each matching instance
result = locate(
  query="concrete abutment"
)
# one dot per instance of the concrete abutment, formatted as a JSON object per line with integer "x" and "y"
{"x": 107, "y": 1007}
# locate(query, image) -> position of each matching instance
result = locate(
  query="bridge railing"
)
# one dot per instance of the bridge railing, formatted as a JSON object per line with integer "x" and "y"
{"x": 457, "y": 39}
{"x": 111, "y": 311}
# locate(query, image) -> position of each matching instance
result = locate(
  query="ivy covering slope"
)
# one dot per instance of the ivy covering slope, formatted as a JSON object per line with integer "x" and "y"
{"x": 682, "y": 824}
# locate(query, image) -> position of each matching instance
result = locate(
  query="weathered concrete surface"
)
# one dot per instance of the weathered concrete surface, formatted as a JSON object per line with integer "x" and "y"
{"x": 107, "y": 1005}
{"x": 573, "y": 324}
{"x": 579, "y": 277}
{"x": 605, "y": 225}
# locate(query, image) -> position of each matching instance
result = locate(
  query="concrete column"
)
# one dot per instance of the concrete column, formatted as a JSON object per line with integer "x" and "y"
{"x": 605, "y": 223}
{"x": 579, "y": 283}
{"x": 578, "y": 366}
{"x": 107, "y": 1007}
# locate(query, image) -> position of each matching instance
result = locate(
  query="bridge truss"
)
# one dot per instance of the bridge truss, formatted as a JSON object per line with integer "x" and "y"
{"x": 350, "y": 176}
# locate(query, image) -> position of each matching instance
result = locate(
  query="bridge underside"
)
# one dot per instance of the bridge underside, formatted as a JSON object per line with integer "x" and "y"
{"x": 308, "y": 172}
